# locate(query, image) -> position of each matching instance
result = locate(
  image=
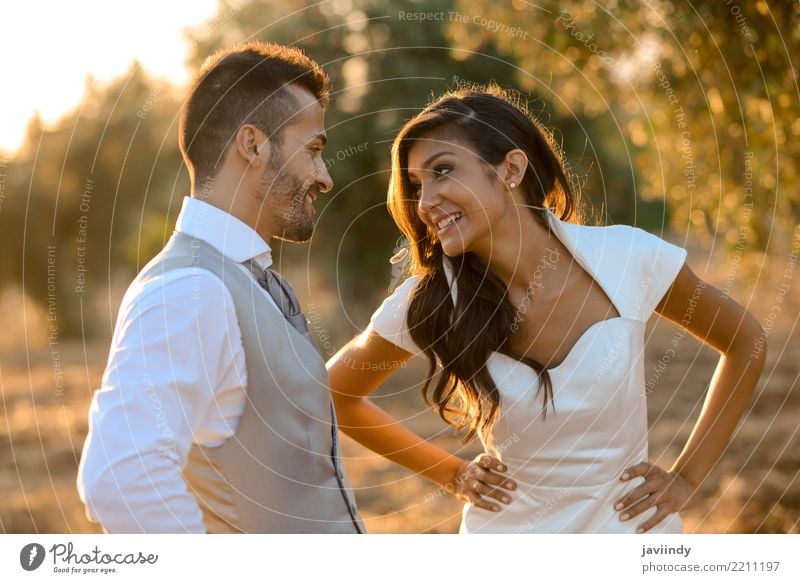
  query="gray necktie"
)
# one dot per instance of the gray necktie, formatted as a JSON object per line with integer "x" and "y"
{"x": 284, "y": 297}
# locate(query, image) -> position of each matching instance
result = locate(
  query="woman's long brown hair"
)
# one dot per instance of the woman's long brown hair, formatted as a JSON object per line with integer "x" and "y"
{"x": 460, "y": 337}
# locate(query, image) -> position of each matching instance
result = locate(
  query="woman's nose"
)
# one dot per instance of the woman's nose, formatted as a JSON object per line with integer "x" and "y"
{"x": 428, "y": 199}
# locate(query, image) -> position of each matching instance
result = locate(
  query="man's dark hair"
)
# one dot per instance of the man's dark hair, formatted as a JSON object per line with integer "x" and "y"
{"x": 243, "y": 84}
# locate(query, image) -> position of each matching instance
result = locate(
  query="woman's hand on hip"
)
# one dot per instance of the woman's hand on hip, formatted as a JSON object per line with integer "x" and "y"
{"x": 668, "y": 491}
{"x": 482, "y": 483}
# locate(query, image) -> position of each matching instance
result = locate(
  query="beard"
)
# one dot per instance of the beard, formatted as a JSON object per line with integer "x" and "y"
{"x": 284, "y": 196}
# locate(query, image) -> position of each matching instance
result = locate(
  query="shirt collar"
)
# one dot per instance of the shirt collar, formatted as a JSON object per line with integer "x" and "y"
{"x": 230, "y": 236}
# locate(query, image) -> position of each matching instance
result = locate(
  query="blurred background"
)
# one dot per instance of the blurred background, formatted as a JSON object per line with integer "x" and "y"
{"x": 682, "y": 118}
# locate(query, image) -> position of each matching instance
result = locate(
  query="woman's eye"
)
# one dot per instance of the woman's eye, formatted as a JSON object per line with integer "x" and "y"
{"x": 441, "y": 170}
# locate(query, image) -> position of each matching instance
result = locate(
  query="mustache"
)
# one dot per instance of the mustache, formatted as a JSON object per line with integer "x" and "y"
{"x": 304, "y": 190}
{"x": 307, "y": 189}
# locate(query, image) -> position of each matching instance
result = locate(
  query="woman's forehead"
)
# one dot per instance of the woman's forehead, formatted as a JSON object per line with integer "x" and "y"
{"x": 422, "y": 148}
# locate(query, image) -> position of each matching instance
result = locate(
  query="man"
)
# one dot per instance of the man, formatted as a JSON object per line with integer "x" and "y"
{"x": 214, "y": 413}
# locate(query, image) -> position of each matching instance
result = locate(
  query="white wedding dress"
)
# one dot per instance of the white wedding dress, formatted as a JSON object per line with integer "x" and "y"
{"x": 568, "y": 465}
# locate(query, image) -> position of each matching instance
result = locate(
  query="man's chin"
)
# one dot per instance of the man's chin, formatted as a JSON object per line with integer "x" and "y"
{"x": 296, "y": 236}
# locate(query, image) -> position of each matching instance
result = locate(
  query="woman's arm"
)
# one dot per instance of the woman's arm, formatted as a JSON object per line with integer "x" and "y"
{"x": 357, "y": 370}
{"x": 723, "y": 324}
{"x": 726, "y": 326}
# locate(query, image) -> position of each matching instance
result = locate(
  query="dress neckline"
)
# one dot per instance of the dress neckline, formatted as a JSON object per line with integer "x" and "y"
{"x": 562, "y": 233}
{"x": 567, "y": 234}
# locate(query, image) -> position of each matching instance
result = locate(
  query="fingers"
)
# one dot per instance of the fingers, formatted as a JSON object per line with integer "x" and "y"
{"x": 486, "y": 491}
{"x": 647, "y": 494}
{"x": 483, "y": 495}
{"x": 645, "y": 488}
{"x": 489, "y": 462}
{"x": 645, "y": 469}
{"x": 481, "y": 484}
{"x": 480, "y": 497}
{"x": 496, "y": 481}
{"x": 661, "y": 513}
{"x": 486, "y": 505}
{"x": 489, "y": 465}
{"x": 657, "y": 490}
{"x": 638, "y": 508}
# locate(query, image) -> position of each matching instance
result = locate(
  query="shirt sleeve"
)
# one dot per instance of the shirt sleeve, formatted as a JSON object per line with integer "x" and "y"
{"x": 160, "y": 379}
{"x": 390, "y": 319}
{"x": 659, "y": 262}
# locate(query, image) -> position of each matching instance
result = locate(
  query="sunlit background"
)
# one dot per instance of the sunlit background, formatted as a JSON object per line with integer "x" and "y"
{"x": 682, "y": 118}
{"x": 53, "y": 49}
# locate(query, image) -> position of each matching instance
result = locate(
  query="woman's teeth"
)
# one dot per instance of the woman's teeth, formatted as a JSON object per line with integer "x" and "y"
{"x": 447, "y": 222}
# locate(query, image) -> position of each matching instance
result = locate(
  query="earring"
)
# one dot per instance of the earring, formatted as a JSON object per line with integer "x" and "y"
{"x": 513, "y": 185}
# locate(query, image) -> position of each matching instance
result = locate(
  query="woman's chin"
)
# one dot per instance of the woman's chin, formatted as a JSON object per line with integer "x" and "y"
{"x": 457, "y": 239}
{"x": 453, "y": 249}
{"x": 456, "y": 244}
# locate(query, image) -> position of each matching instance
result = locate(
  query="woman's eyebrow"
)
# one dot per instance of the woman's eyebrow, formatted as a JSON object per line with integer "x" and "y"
{"x": 430, "y": 160}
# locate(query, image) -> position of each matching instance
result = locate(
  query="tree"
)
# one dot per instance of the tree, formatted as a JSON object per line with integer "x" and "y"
{"x": 707, "y": 94}
{"x": 386, "y": 60}
{"x": 79, "y": 193}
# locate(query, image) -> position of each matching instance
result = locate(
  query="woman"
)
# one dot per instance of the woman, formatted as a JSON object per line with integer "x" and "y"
{"x": 537, "y": 324}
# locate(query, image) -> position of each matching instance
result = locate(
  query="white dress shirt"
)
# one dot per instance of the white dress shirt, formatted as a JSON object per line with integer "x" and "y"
{"x": 175, "y": 376}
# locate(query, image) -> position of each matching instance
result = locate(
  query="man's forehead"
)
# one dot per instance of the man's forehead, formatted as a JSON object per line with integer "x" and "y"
{"x": 309, "y": 117}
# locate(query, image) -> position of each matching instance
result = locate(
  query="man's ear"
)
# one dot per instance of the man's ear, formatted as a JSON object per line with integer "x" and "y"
{"x": 252, "y": 145}
{"x": 512, "y": 169}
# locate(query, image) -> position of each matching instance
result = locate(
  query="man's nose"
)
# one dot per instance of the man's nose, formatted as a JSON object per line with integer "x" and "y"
{"x": 324, "y": 180}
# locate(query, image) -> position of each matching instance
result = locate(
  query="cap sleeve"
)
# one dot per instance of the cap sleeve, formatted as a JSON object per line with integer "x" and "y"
{"x": 659, "y": 262}
{"x": 390, "y": 319}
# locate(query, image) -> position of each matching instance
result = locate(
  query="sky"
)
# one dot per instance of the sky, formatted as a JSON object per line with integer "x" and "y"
{"x": 49, "y": 47}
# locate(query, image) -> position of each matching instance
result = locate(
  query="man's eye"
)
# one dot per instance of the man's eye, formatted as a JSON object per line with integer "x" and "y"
{"x": 415, "y": 186}
{"x": 441, "y": 170}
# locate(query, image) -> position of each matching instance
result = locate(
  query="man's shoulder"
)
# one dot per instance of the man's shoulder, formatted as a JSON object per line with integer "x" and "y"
{"x": 182, "y": 286}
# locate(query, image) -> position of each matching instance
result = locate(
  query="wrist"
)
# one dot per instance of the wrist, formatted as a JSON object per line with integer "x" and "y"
{"x": 692, "y": 480}
{"x": 455, "y": 467}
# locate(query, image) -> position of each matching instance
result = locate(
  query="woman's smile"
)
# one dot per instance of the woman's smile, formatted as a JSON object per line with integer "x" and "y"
{"x": 448, "y": 223}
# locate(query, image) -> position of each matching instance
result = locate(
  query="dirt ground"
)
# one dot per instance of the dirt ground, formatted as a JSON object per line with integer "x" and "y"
{"x": 755, "y": 487}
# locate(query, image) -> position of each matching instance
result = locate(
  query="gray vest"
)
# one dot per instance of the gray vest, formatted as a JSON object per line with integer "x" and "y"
{"x": 280, "y": 472}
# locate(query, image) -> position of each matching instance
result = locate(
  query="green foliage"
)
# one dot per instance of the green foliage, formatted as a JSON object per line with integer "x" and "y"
{"x": 664, "y": 110}
{"x": 387, "y": 60}
{"x": 78, "y": 192}
{"x": 706, "y": 92}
